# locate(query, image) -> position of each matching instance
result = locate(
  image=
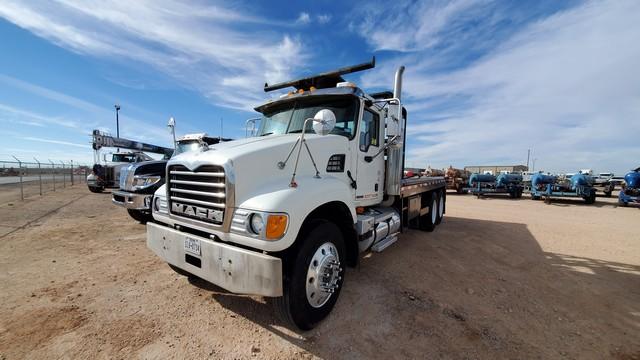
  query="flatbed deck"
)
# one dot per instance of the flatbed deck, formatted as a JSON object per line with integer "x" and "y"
{"x": 416, "y": 185}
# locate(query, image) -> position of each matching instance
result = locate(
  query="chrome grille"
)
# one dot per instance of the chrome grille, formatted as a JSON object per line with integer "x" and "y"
{"x": 203, "y": 188}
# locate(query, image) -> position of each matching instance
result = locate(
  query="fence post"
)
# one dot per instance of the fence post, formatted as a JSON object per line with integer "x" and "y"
{"x": 20, "y": 174}
{"x": 64, "y": 175}
{"x": 71, "y": 172}
{"x": 39, "y": 174}
{"x": 53, "y": 171}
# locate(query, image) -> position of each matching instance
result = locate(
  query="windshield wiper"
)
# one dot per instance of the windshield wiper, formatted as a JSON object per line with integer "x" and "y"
{"x": 265, "y": 134}
{"x": 294, "y": 131}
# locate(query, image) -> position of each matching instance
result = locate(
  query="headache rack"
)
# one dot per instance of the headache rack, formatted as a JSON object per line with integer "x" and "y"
{"x": 324, "y": 80}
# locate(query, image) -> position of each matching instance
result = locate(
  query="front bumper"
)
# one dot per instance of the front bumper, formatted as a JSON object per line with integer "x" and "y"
{"x": 131, "y": 200}
{"x": 230, "y": 267}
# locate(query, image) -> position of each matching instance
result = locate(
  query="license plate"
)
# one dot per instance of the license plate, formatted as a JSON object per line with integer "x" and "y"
{"x": 192, "y": 246}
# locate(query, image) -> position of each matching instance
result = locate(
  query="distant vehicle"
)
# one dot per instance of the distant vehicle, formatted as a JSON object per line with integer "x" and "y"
{"x": 107, "y": 175}
{"x": 548, "y": 186}
{"x": 138, "y": 181}
{"x": 456, "y": 179}
{"x": 605, "y": 182}
{"x": 630, "y": 192}
{"x": 505, "y": 183}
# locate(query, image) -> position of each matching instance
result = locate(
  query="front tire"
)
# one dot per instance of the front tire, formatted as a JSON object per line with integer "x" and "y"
{"x": 315, "y": 276}
{"x": 140, "y": 216}
{"x": 96, "y": 189}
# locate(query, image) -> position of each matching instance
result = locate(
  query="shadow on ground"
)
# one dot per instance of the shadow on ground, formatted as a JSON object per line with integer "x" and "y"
{"x": 473, "y": 288}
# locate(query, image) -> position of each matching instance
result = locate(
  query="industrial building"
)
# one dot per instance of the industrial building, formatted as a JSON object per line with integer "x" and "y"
{"x": 496, "y": 169}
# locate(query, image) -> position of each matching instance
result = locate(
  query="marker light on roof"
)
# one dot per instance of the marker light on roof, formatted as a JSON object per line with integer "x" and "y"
{"x": 346, "y": 84}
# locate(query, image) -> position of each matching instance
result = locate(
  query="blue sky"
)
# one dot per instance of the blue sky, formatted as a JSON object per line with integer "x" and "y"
{"x": 485, "y": 80}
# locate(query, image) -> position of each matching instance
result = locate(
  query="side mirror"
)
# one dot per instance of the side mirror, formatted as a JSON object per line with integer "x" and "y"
{"x": 324, "y": 121}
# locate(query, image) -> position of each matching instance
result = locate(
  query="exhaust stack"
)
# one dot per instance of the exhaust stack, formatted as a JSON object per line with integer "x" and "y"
{"x": 397, "y": 85}
{"x": 395, "y": 129}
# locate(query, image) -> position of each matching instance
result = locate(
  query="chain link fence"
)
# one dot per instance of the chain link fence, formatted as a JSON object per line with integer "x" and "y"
{"x": 23, "y": 179}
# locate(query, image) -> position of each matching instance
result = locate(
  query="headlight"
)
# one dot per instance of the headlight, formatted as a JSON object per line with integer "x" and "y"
{"x": 257, "y": 223}
{"x": 144, "y": 181}
{"x": 263, "y": 225}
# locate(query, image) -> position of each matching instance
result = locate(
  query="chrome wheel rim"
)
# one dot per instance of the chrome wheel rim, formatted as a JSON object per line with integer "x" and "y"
{"x": 440, "y": 207}
{"x": 323, "y": 275}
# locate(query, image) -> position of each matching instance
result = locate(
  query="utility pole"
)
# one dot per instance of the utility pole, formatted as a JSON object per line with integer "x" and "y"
{"x": 117, "y": 122}
{"x": 534, "y": 165}
{"x": 528, "y": 155}
{"x": 221, "y": 121}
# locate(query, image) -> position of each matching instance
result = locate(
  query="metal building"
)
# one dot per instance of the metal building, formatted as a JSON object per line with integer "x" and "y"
{"x": 496, "y": 169}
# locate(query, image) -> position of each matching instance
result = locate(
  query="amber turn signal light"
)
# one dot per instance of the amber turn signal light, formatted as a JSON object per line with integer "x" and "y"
{"x": 276, "y": 226}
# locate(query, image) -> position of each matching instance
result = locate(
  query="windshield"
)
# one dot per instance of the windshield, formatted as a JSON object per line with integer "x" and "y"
{"x": 289, "y": 117}
{"x": 186, "y": 147}
{"x": 123, "y": 158}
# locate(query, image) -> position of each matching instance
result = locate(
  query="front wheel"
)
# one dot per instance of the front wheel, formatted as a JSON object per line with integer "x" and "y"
{"x": 141, "y": 216}
{"x": 96, "y": 189}
{"x": 315, "y": 277}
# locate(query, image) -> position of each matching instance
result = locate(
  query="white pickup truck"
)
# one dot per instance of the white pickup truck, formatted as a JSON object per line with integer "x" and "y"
{"x": 284, "y": 213}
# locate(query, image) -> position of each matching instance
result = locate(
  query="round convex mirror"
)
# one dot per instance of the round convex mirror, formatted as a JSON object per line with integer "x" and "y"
{"x": 324, "y": 121}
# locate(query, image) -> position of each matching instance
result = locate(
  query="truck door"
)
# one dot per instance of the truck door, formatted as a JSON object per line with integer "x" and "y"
{"x": 370, "y": 175}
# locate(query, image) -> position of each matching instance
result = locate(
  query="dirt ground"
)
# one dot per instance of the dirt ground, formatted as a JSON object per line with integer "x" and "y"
{"x": 500, "y": 278}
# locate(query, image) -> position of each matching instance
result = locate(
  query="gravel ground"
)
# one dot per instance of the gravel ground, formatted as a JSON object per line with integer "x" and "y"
{"x": 500, "y": 278}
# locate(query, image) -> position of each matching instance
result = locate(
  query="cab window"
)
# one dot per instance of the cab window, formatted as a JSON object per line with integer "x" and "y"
{"x": 369, "y": 130}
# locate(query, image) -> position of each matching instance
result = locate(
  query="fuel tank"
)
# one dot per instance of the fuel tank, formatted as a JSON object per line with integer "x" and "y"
{"x": 508, "y": 179}
{"x": 632, "y": 180}
{"x": 476, "y": 178}
{"x": 542, "y": 179}
{"x": 580, "y": 180}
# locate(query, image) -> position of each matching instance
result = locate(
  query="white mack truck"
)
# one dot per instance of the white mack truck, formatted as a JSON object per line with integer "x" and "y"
{"x": 284, "y": 213}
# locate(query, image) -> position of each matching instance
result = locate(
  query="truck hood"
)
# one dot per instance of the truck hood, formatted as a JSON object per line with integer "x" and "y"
{"x": 252, "y": 164}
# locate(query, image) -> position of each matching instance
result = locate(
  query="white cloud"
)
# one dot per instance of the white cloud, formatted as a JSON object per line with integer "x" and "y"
{"x": 410, "y": 26}
{"x": 199, "y": 45}
{"x": 566, "y": 86}
{"x": 93, "y": 116}
{"x": 303, "y": 18}
{"x": 57, "y": 142}
{"x": 323, "y": 18}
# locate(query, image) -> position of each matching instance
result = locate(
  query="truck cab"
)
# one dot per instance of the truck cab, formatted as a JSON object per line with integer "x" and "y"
{"x": 107, "y": 174}
{"x": 282, "y": 214}
{"x": 139, "y": 180}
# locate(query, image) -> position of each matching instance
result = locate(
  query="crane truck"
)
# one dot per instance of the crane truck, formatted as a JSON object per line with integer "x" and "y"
{"x": 108, "y": 175}
{"x": 330, "y": 159}
{"x": 138, "y": 181}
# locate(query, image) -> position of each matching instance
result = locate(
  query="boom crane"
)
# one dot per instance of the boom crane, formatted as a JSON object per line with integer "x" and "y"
{"x": 102, "y": 139}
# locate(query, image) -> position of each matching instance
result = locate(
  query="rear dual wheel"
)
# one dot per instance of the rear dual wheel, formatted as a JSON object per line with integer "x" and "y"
{"x": 436, "y": 203}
